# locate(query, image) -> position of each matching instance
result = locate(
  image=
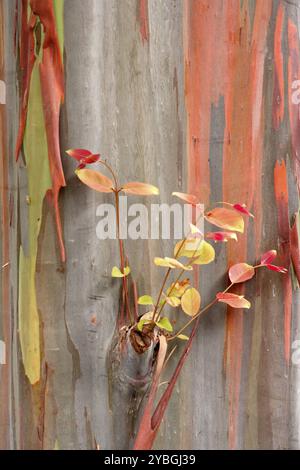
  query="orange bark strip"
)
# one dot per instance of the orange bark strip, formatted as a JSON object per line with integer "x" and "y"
{"x": 5, "y": 287}
{"x": 293, "y": 75}
{"x": 242, "y": 157}
{"x": 204, "y": 40}
{"x": 281, "y": 197}
{"x": 278, "y": 93}
{"x": 144, "y": 20}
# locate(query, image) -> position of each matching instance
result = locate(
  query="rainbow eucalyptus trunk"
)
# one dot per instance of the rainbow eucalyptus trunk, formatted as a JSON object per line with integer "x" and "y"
{"x": 197, "y": 96}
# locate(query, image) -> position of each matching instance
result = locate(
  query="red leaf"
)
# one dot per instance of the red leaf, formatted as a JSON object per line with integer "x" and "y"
{"x": 241, "y": 272}
{"x": 243, "y": 209}
{"x": 268, "y": 257}
{"x": 233, "y": 300}
{"x": 79, "y": 154}
{"x": 278, "y": 269}
{"x": 190, "y": 198}
{"x": 221, "y": 236}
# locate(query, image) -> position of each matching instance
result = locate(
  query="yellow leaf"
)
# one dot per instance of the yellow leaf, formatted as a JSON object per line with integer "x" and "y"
{"x": 141, "y": 189}
{"x": 183, "y": 337}
{"x": 117, "y": 273}
{"x": 173, "y": 301}
{"x": 190, "y": 301}
{"x": 205, "y": 254}
{"x": 171, "y": 263}
{"x": 95, "y": 180}
{"x": 227, "y": 219}
{"x": 188, "y": 248}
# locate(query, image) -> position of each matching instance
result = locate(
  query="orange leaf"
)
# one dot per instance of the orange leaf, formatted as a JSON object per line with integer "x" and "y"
{"x": 227, "y": 219}
{"x": 190, "y": 198}
{"x": 241, "y": 272}
{"x": 234, "y": 300}
{"x": 141, "y": 189}
{"x": 95, "y": 180}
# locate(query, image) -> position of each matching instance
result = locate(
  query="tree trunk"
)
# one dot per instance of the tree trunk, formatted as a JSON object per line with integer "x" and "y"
{"x": 196, "y": 96}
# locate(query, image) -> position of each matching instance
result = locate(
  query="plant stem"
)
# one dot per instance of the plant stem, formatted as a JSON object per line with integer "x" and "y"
{"x": 207, "y": 307}
{"x": 122, "y": 262}
{"x": 109, "y": 168}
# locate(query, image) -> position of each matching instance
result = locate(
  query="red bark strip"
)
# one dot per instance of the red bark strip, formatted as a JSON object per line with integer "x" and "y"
{"x": 144, "y": 20}
{"x": 282, "y": 198}
{"x": 243, "y": 145}
{"x": 278, "y": 93}
{"x": 147, "y": 431}
{"x": 295, "y": 246}
{"x": 27, "y": 60}
{"x": 294, "y": 110}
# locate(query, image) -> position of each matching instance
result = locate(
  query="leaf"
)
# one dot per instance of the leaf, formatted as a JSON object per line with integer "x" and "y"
{"x": 126, "y": 271}
{"x": 189, "y": 198}
{"x": 221, "y": 236}
{"x": 165, "y": 324}
{"x": 195, "y": 230}
{"x": 142, "y": 322}
{"x": 205, "y": 254}
{"x": 173, "y": 301}
{"x": 145, "y": 300}
{"x": 227, "y": 219}
{"x": 268, "y": 257}
{"x": 177, "y": 289}
{"x": 187, "y": 248}
{"x": 141, "y": 189}
{"x": 116, "y": 272}
{"x": 234, "y": 300}
{"x": 95, "y": 180}
{"x": 241, "y": 272}
{"x": 183, "y": 337}
{"x": 242, "y": 209}
{"x": 171, "y": 263}
{"x": 190, "y": 301}
{"x": 278, "y": 269}
{"x": 78, "y": 154}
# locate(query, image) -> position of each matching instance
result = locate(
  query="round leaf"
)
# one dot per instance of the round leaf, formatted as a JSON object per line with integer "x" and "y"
{"x": 205, "y": 254}
{"x": 241, "y": 272}
{"x": 190, "y": 301}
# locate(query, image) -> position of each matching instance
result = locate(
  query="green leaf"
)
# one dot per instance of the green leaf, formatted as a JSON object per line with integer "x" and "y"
{"x": 126, "y": 271}
{"x": 141, "y": 323}
{"x": 183, "y": 337}
{"x": 145, "y": 300}
{"x": 115, "y": 272}
{"x": 165, "y": 324}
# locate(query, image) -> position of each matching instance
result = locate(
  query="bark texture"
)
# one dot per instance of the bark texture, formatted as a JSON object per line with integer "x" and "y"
{"x": 190, "y": 95}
